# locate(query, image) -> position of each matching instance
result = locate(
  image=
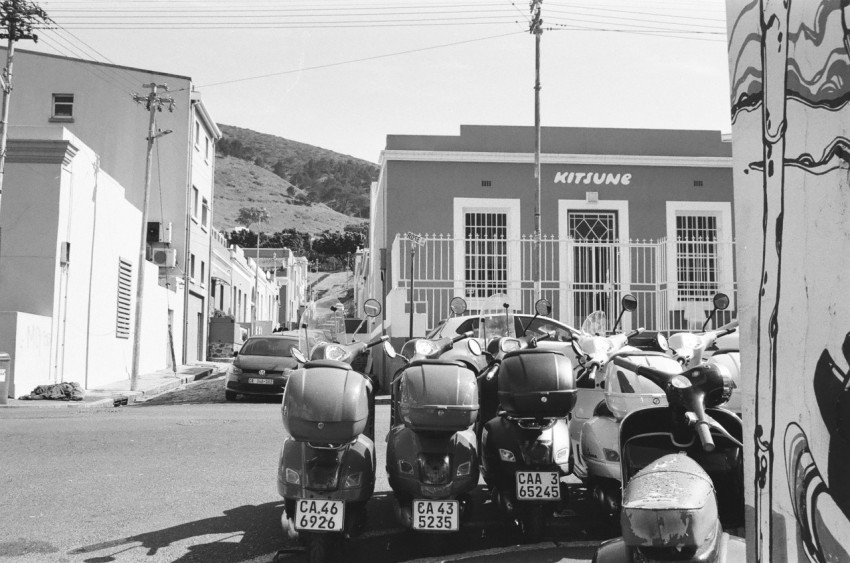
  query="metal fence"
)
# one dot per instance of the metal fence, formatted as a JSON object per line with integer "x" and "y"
{"x": 673, "y": 280}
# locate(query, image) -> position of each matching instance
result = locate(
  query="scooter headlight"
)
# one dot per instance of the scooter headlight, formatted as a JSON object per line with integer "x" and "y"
{"x": 464, "y": 469}
{"x": 425, "y": 347}
{"x": 434, "y": 469}
{"x": 562, "y": 455}
{"x": 293, "y": 477}
{"x": 507, "y": 455}
{"x": 337, "y": 353}
{"x": 353, "y": 481}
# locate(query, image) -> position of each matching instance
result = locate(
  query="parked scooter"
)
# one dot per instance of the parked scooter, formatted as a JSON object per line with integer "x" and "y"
{"x": 596, "y": 439}
{"x": 326, "y": 472}
{"x": 683, "y": 468}
{"x": 432, "y": 459}
{"x": 525, "y": 447}
{"x": 719, "y": 346}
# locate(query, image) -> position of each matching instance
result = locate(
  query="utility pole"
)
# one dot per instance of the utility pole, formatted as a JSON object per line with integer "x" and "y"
{"x": 535, "y": 28}
{"x": 17, "y": 18}
{"x": 153, "y": 103}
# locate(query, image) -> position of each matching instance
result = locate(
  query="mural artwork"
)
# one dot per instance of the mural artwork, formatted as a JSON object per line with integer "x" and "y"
{"x": 790, "y": 79}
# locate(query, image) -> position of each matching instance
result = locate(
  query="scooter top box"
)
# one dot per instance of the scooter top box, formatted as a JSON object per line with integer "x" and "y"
{"x": 325, "y": 403}
{"x": 626, "y": 391}
{"x": 537, "y": 383}
{"x": 438, "y": 396}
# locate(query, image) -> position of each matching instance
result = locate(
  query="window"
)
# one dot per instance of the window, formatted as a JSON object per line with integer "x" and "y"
{"x": 487, "y": 256}
{"x": 63, "y": 107}
{"x": 192, "y": 267}
{"x": 205, "y": 208}
{"x": 701, "y": 247}
{"x": 125, "y": 291}
{"x": 197, "y": 135}
{"x": 203, "y": 272}
{"x": 195, "y": 199}
{"x": 206, "y": 148}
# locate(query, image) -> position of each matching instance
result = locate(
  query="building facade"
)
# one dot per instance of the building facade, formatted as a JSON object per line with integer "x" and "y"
{"x": 647, "y": 212}
{"x": 94, "y": 102}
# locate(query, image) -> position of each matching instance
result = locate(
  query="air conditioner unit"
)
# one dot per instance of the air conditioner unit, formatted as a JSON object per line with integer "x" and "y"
{"x": 165, "y": 257}
{"x": 159, "y": 232}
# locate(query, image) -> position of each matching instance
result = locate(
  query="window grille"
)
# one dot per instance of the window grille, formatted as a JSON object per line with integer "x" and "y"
{"x": 696, "y": 257}
{"x": 486, "y": 261}
{"x": 125, "y": 291}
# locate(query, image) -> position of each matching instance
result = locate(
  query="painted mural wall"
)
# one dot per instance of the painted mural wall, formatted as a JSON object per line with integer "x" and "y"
{"x": 790, "y": 78}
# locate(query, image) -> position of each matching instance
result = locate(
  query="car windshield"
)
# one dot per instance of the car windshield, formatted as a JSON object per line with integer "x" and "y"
{"x": 279, "y": 347}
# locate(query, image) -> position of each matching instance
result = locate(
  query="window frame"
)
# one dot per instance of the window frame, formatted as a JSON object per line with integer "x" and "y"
{"x": 722, "y": 211}
{"x": 511, "y": 207}
{"x": 54, "y": 103}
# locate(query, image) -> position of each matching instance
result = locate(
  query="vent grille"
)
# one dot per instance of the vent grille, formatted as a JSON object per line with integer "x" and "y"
{"x": 125, "y": 301}
{"x": 486, "y": 183}
{"x": 697, "y": 183}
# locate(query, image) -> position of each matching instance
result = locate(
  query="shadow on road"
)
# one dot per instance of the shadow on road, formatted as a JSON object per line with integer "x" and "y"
{"x": 254, "y": 531}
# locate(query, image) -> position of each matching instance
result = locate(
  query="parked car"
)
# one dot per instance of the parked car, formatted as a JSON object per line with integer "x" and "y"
{"x": 262, "y": 366}
{"x": 514, "y": 325}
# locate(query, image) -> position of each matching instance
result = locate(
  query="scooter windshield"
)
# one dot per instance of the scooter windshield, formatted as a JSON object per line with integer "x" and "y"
{"x": 498, "y": 320}
{"x": 323, "y": 321}
{"x": 595, "y": 324}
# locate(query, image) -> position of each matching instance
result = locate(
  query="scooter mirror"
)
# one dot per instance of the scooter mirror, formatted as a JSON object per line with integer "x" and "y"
{"x": 372, "y": 308}
{"x": 629, "y": 302}
{"x": 298, "y": 355}
{"x": 389, "y": 350}
{"x": 543, "y": 307}
{"x": 721, "y": 301}
{"x": 474, "y": 347}
{"x": 457, "y": 306}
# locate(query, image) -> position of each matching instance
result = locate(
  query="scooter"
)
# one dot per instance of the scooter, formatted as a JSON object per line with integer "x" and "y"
{"x": 597, "y": 452}
{"x": 326, "y": 471}
{"x": 719, "y": 346}
{"x": 683, "y": 469}
{"x": 432, "y": 459}
{"x": 525, "y": 448}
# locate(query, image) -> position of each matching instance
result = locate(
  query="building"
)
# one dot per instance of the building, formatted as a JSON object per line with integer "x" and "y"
{"x": 93, "y": 102}
{"x": 289, "y": 272}
{"x": 647, "y": 212}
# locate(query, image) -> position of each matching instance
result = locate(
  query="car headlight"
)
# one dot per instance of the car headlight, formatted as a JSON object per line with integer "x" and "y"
{"x": 236, "y": 370}
{"x": 425, "y": 347}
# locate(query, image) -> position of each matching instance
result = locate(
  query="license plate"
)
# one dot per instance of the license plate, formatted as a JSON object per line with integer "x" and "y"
{"x": 260, "y": 381}
{"x": 436, "y": 515}
{"x": 538, "y": 485}
{"x": 320, "y": 515}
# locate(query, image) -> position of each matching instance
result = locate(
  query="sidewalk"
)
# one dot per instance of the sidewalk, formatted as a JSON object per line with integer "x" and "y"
{"x": 119, "y": 393}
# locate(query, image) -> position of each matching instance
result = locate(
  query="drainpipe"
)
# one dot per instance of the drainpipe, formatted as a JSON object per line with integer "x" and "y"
{"x": 188, "y": 236}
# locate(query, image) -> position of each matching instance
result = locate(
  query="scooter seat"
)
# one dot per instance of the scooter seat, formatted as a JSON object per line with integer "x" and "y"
{"x": 436, "y": 362}
{"x": 670, "y": 503}
{"x": 327, "y": 364}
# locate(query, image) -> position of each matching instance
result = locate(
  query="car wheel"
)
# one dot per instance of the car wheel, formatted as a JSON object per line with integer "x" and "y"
{"x": 230, "y": 395}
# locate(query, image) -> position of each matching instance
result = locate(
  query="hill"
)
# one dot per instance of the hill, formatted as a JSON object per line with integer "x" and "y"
{"x": 298, "y": 183}
{"x": 239, "y": 183}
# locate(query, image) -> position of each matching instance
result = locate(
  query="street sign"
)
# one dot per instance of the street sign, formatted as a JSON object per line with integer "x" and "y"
{"x": 417, "y": 239}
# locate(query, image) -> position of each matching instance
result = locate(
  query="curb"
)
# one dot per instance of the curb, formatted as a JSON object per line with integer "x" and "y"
{"x": 519, "y": 550}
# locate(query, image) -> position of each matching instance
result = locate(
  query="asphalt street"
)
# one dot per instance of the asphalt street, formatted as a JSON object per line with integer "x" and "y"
{"x": 186, "y": 476}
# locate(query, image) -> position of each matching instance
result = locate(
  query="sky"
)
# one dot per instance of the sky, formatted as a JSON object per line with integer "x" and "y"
{"x": 344, "y": 74}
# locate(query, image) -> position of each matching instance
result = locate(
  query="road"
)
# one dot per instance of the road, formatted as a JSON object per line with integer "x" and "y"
{"x": 184, "y": 477}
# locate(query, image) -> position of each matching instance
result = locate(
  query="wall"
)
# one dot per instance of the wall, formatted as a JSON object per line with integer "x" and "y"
{"x": 788, "y": 68}
{"x": 26, "y": 338}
